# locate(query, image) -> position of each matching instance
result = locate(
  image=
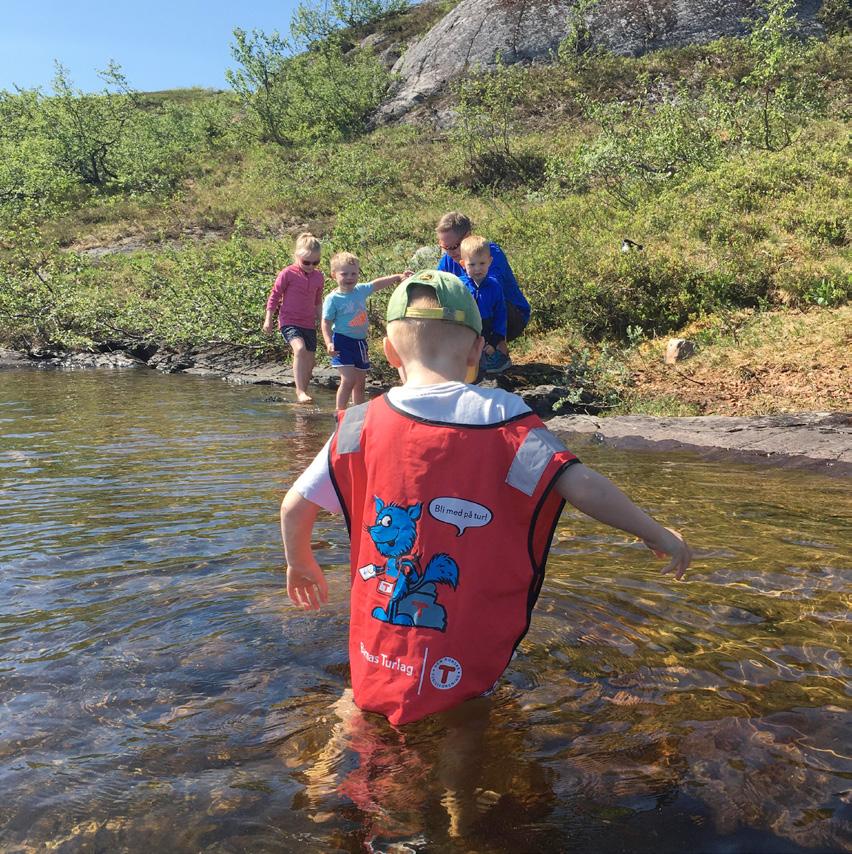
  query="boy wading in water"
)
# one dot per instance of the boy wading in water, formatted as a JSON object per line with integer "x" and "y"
{"x": 345, "y": 324}
{"x": 297, "y": 297}
{"x": 451, "y": 494}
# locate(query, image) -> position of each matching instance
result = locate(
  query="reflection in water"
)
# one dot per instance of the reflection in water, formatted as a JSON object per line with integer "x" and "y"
{"x": 460, "y": 774}
{"x": 156, "y": 690}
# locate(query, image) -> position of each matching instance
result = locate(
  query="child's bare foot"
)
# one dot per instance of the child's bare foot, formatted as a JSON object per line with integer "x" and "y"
{"x": 303, "y": 397}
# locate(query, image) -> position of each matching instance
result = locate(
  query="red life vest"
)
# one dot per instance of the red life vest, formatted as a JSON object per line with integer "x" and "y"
{"x": 450, "y": 527}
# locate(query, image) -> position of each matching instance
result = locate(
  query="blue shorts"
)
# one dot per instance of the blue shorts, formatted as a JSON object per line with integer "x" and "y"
{"x": 309, "y": 336}
{"x": 351, "y": 352}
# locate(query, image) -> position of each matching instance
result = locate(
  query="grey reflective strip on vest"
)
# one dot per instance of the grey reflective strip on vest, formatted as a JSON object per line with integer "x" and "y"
{"x": 349, "y": 431}
{"x": 532, "y": 459}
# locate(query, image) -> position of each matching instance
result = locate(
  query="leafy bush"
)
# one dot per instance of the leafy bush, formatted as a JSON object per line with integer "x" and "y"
{"x": 216, "y": 293}
{"x": 88, "y": 129}
{"x": 486, "y": 132}
{"x": 49, "y": 297}
{"x": 806, "y": 283}
{"x": 30, "y": 183}
{"x": 311, "y": 86}
{"x": 363, "y": 224}
{"x": 836, "y": 16}
{"x": 827, "y": 293}
{"x": 313, "y": 22}
{"x": 664, "y": 134}
{"x": 574, "y": 48}
{"x": 56, "y": 147}
{"x": 157, "y": 151}
{"x": 780, "y": 91}
{"x": 643, "y": 145}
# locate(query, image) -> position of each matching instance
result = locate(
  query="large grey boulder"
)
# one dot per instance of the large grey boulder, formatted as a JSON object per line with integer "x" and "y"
{"x": 476, "y": 32}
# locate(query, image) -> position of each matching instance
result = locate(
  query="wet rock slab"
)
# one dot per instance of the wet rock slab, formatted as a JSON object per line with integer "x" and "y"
{"x": 816, "y": 440}
{"x": 62, "y": 359}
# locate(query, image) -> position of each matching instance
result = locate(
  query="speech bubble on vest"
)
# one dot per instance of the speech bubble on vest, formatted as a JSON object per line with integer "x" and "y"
{"x": 460, "y": 512}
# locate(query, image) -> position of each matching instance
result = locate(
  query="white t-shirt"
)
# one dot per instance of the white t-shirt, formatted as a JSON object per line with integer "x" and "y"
{"x": 447, "y": 403}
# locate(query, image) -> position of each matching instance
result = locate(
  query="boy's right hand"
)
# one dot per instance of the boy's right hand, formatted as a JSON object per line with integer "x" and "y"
{"x": 331, "y": 350}
{"x": 267, "y": 328}
{"x": 306, "y": 585}
{"x": 670, "y": 542}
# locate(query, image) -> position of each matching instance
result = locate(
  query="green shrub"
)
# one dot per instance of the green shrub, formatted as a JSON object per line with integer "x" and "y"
{"x": 808, "y": 283}
{"x": 88, "y": 130}
{"x": 487, "y": 128}
{"x": 827, "y": 293}
{"x": 643, "y": 145}
{"x": 321, "y": 94}
{"x": 836, "y": 16}
{"x": 363, "y": 224}
{"x": 48, "y": 297}
{"x": 820, "y": 225}
{"x": 30, "y": 183}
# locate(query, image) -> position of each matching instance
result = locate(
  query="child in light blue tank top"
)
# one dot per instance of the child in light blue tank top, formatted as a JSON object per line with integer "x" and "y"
{"x": 345, "y": 323}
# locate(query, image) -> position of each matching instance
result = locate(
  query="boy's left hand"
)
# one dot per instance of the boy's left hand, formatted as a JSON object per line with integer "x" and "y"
{"x": 670, "y": 542}
{"x": 306, "y": 586}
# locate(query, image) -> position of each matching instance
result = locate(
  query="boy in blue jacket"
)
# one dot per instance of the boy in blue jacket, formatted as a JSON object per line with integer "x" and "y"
{"x": 452, "y": 228}
{"x": 486, "y": 290}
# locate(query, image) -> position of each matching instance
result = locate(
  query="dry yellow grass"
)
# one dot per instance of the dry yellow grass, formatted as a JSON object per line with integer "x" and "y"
{"x": 775, "y": 362}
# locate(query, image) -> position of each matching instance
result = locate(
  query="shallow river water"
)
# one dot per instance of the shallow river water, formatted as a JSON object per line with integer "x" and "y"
{"x": 158, "y": 693}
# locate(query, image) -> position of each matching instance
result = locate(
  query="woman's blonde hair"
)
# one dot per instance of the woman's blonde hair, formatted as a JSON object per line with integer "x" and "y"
{"x": 341, "y": 259}
{"x": 306, "y": 244}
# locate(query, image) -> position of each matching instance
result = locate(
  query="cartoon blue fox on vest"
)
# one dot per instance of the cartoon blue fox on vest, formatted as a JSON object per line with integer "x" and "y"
{"x": 413, "y": 599}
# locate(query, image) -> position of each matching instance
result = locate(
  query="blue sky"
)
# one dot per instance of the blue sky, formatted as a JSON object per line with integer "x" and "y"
{"x": 159, "y": 44}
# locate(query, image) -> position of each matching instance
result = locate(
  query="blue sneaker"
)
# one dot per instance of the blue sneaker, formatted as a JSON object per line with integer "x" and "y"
{"x": 497, "y": 362}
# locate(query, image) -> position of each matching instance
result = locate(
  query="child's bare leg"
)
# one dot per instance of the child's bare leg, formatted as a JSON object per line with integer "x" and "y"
{"x": 322, "y": 776}
{"x": 359, "y": 391}
{"x": 460, "y": 765}
{"x": 348, "y": 382}
{"x": 303, "y": 365}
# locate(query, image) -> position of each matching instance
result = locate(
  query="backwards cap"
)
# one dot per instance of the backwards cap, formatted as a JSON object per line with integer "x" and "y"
{"x": 456, "y": 302}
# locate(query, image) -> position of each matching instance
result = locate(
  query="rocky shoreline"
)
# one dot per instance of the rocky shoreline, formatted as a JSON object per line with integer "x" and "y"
{"x": 818, "y": 441}
{"x": 543, "y": 387}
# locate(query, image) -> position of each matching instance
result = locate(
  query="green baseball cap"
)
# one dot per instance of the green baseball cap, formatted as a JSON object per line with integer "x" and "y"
{"x": 456, "y": 302}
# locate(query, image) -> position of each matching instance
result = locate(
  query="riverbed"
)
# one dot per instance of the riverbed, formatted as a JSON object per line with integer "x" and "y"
{"x": 158, "y": 692}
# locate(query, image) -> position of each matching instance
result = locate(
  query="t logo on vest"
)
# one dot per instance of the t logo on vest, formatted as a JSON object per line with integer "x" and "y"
{"x": 446, "y": 673}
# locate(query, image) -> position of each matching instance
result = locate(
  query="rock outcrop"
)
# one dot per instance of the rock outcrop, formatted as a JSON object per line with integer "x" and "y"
{"x": 816, "y": 440}
{"x": 476, "y": 32}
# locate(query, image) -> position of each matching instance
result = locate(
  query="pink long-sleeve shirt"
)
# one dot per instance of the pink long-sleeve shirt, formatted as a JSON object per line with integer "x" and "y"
{"x": 297, "y": 296}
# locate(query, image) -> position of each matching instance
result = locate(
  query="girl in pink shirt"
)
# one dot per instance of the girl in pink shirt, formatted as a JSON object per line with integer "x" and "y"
{"x": 297, "y": 297}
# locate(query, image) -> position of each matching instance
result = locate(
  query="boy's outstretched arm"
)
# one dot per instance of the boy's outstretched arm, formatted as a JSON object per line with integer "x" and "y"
{"x": 387, "y": 281}
{"x": 306, "y": 585}
{"x": 600, "y": 498}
